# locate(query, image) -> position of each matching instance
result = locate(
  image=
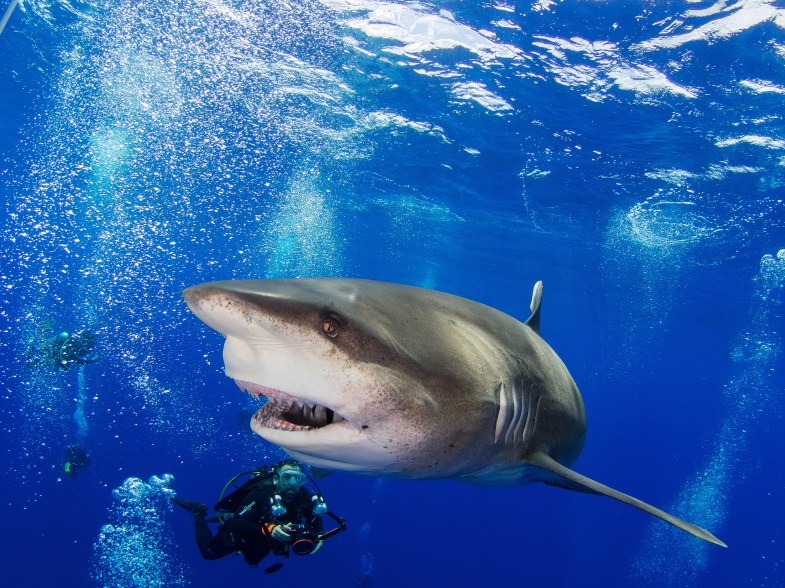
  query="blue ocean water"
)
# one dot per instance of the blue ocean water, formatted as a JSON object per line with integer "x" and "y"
{"x": 629, "y": 154}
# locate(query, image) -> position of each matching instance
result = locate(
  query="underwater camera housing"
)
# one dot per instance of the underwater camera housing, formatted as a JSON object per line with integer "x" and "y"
{"x": 304, "y": 539}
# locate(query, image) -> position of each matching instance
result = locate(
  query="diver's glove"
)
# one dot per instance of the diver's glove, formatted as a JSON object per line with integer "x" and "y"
{"x": 316, "y": 547}
{"x": 282, "y": 534}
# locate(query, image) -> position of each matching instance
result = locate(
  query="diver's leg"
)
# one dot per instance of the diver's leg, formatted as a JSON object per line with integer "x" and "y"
{"x": 195, "y": 508}
{"x": 213, "y": 547}
{"x": 255, "y": 551}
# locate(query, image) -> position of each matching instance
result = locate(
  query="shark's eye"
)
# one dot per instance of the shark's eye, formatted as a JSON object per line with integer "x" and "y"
{"x": 330, "y": 327}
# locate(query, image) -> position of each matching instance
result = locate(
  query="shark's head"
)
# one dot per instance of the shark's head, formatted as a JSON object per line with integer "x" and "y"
{"x": 344, "y": 390}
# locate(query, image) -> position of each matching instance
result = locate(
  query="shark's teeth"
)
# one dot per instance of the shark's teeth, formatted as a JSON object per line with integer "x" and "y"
{"x": 286, "y": 412}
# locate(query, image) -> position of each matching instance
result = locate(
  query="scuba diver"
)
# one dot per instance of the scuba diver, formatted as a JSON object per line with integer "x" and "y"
{"x": 64, "y": 351}
{"x": 272, "y": 511}
{"x": 77, "y": 458}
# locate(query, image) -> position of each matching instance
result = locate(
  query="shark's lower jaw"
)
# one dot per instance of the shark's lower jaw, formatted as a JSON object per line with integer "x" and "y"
{"x": 285, "y": 412}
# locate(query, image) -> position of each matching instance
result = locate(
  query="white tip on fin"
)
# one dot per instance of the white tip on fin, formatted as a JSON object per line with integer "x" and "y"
{"x": 534, "y": 320}
{"x": 571, "y": 479}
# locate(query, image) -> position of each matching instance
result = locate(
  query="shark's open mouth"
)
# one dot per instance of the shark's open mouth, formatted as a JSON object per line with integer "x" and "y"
{"x": 286, "y": 412}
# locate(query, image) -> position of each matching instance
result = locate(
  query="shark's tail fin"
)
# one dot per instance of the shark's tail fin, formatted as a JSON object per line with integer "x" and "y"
{"x": 575, "y": 481}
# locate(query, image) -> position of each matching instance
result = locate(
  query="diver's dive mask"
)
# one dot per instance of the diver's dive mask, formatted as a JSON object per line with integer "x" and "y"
{"x": 291, "y": 480}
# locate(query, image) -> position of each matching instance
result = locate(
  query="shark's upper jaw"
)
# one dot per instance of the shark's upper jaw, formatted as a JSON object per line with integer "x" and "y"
{"x": 285, "y": 412}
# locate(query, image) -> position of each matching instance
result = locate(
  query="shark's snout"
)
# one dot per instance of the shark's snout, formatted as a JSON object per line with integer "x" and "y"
{"x": 218, "y": 308}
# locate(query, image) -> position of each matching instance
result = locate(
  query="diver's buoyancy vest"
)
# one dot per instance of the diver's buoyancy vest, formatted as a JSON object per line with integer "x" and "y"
{"x": 230, "y": 503}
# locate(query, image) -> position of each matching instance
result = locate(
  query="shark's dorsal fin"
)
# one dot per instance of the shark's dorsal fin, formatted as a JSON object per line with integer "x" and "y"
{"x": 534, "y": 320}
{"x": 572, "y": 479}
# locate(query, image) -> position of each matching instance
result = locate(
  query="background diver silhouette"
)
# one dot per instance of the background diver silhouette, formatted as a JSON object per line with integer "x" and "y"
{"x": 77, "y": 458}
{"x": 62, "y": 352}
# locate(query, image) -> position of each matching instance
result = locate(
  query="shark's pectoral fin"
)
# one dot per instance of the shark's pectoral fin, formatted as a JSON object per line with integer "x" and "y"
{"x": 575, "y": 481}
{"x": 570, "y": 485}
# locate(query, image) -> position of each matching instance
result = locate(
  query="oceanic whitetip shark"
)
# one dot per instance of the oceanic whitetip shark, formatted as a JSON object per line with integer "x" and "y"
{"x": 396, "y": 381}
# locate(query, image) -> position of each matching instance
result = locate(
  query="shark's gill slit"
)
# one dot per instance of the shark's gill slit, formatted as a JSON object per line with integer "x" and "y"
{"x": 285, "y": 412}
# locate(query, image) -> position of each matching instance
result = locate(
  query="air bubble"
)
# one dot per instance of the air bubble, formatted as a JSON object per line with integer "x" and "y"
{"x": 705, "y": 497}
{"x": 135, "y": 548}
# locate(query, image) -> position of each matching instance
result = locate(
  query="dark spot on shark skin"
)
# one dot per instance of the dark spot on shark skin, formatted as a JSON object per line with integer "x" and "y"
{"x": 365, "y": 426}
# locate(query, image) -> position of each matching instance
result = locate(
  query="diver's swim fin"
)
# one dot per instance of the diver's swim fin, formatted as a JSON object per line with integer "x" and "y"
{"x": 195, "y": 508}
{"x": 572, "y": 479}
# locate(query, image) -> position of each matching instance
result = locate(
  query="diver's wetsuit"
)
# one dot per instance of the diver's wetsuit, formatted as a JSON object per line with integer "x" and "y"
{"x": 245, "y": 531}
